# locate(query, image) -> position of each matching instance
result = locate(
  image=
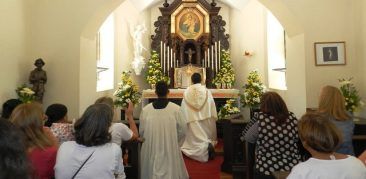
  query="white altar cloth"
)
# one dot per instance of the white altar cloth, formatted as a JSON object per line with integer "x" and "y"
{"x": 178, "y": 94}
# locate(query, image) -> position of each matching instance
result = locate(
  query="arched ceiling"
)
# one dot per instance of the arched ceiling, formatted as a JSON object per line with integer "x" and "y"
{"x": 143, "y": 4}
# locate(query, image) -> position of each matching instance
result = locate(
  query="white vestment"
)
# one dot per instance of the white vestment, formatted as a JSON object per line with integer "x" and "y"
{"x": 199, "y": 109}
{"x": 163, "y": 131}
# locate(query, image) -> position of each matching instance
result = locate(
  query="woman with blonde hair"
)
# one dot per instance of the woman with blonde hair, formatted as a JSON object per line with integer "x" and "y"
{"x": 321, "y": 138}
{"x": 332, "y": 104}
{"x": 40, "y": 143}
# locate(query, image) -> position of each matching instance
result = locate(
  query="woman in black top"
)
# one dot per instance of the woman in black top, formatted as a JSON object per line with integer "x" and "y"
{"x": 274, "y": 130}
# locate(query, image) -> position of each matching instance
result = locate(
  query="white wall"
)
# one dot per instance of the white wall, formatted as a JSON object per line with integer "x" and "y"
{"x": 322, "y": 24}
{"x": 57, "y": 28}
{"x": 248, "y": 33}
{"x": 126, "y": 16}
{"x": 14, "y": 57}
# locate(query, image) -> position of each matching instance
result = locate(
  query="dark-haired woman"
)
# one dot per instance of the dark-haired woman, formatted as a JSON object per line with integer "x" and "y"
{"x": 58, "y": 124}
{"x": 13, "y": 157}
{"x": 274, "y": 130}
{"x": 92, "y": 155}
{"x": 321, "y": 138}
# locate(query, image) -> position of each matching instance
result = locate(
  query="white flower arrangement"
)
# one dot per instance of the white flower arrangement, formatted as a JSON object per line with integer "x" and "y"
{"x": 253, "y": 90}
{"x": 127, "y": 91}
{"x": 154, "y": 72}
{"x": 230, "y": 108}
{"x": 226, "y": 75}
{"x": 25, "y": 94}
{"x": 350, "y": 93}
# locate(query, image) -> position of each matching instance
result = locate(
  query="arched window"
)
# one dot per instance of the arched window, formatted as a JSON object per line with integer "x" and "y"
{"x": 105, "y": 55}
{"x": 276, "y": 51}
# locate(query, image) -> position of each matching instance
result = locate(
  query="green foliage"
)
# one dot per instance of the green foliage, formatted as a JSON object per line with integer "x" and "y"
{"x": 226, "y": 75}
{"x": 230, "y": 108}
{"x": 25, "y": 94}
{"x": 253, "y": 90}
{"x": 154, "y": 71}
{"x": 127, "y": 91}
{"x": 350, "y": 93}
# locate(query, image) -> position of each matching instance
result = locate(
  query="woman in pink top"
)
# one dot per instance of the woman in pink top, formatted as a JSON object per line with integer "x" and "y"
{"x": 40, "y": 143}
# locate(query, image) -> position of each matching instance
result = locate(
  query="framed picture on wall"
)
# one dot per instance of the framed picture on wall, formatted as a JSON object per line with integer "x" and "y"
{"x": 330, "y": 53}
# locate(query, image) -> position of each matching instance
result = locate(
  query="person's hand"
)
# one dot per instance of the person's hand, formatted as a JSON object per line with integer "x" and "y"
{"x": 129, "y": 111}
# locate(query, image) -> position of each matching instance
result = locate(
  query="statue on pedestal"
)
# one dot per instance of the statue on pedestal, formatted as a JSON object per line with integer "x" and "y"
{"x": 138, "y": 61}
{"x": 38, "y": 78}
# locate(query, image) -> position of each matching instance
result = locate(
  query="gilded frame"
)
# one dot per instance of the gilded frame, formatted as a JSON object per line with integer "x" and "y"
{"x": 180, "y": 26}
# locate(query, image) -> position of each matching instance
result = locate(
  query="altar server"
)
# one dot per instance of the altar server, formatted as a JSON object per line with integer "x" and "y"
{"x": 163, "y": 128}
{"x": 199, "y": 110}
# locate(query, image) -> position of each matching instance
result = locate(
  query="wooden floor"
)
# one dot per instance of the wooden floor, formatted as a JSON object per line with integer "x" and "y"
{"x": 225, "y": 176}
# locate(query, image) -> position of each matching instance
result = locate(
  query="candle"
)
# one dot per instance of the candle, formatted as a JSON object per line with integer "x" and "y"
{"x": 176, "y": 62}
{"x": 205, "y": 60}
{"x": 161, "y": 52}
{"x": 219, "y": 54}
{"x": 168, "y": 60}
{"x": 164, "y": 58}
{"x": 212, "y": 58}
{"x": 171, "y": 58}
{"x": 208, "y": 57}
{"x": 216, "y": 57}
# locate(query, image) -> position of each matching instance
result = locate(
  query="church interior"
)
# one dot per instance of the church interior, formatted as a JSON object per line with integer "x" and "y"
{"x": 87, "y": 44}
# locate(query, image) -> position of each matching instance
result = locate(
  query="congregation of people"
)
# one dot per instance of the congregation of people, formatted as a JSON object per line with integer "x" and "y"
{"x": 45, "y": 145}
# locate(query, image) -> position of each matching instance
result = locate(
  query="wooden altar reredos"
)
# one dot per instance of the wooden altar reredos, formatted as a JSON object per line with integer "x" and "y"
{"x": 190, "y": 32}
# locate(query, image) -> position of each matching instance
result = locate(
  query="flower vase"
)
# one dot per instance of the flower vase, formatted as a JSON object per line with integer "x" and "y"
{"x": 223, "y": 85}
{"x": 228, "y": 85}
{"x": 153, "y": 86}
{"x": 218, "y": 85}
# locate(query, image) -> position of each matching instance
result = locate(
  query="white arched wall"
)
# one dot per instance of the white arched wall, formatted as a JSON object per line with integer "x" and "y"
{"x": 295, "y": 96}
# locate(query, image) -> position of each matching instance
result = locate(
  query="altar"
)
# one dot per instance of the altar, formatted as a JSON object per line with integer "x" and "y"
{"x": 176, "y": 96}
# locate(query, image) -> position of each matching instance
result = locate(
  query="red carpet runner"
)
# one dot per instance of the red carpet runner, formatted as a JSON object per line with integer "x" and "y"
{"x": 209, "y": 170}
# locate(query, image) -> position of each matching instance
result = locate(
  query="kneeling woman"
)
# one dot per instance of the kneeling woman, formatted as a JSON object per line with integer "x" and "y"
{"x": 274, "y": 130}
{"x": 91, "y": 155}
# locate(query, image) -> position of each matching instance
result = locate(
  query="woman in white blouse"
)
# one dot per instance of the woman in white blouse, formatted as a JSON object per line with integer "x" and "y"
{"x": 321, "y": 138}
{"x": 92, "y": 155}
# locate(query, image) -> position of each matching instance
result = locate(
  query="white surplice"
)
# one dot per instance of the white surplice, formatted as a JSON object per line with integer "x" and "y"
{"x": 163, "y": 131}
{"x": 199, "y": 109}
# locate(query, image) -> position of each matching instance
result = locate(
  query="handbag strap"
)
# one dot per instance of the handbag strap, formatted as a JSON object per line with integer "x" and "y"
{"x": 82, "y": 165}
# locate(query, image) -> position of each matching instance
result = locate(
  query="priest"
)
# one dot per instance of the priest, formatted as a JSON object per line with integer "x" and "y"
{"x": 199, "y": 109}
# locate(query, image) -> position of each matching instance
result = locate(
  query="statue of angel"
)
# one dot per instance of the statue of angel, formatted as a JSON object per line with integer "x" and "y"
{"x": 139, "y": 30}
{"x": 138, "y": 62}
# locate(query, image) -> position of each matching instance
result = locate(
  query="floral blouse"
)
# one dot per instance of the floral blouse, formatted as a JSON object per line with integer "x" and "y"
{"x": 63, "y": 131}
